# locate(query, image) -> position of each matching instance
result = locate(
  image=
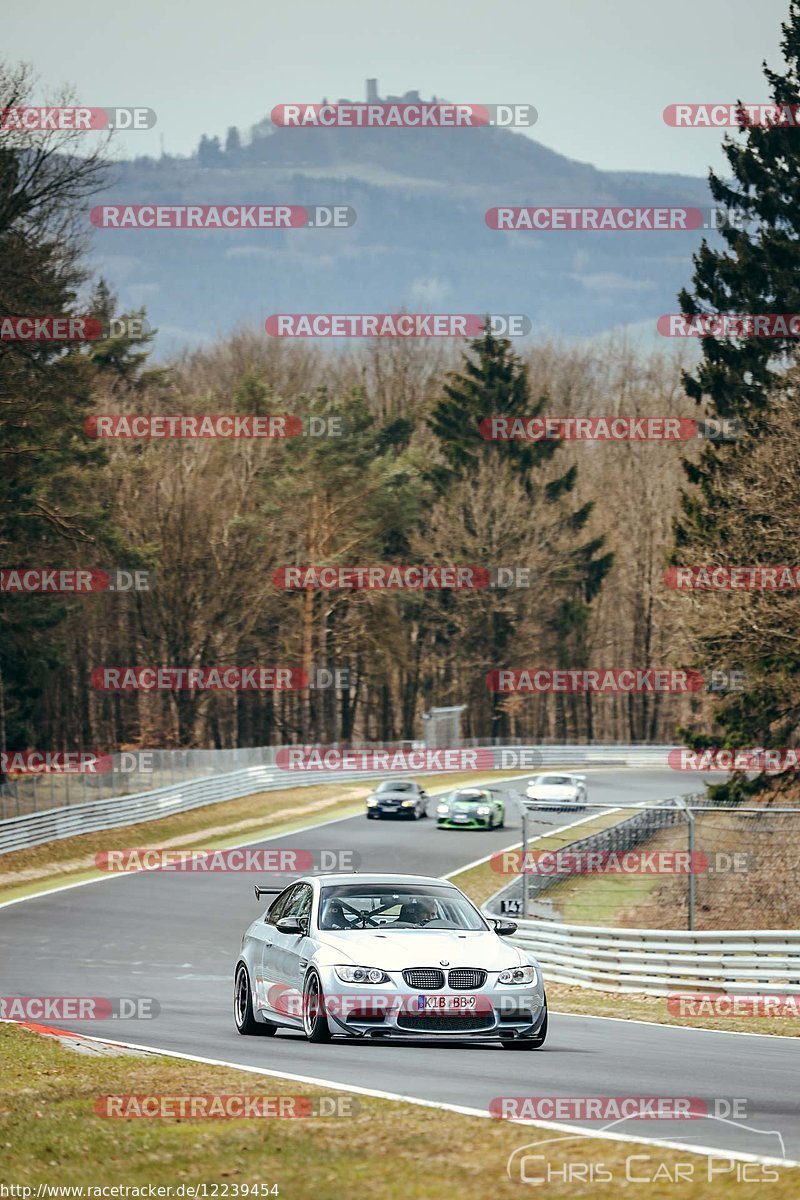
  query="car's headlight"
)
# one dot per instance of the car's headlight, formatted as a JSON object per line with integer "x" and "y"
{"x": 372, "y": 800}
{"x": 483, "y": 810}
{"x": 518, "y": 975}
{"x": 407, "y": 803}
{"x": 361, "y": 975}
{"x": 442, "y": 809}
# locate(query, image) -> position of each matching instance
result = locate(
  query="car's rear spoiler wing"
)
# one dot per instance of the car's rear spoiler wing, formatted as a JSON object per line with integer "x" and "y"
{"x": 267, "y": 891}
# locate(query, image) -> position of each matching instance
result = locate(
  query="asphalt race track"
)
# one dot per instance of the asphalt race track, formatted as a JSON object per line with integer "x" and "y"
{"x": 175, "y": 937}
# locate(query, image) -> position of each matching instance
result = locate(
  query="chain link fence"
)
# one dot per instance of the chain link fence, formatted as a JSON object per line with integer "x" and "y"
{"x": 128, "y": 773}
{"x": 687, "y": 863}
{"x": 135, "y": 771}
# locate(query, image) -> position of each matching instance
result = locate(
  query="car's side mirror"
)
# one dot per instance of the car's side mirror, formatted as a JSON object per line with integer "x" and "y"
{"x": 502, "y": 927}
{"x": 293, "y": 925}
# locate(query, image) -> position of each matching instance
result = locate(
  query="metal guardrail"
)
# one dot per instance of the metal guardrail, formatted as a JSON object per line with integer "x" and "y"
{"x": 52, "y": 824}
{"x": 132, "y": 772}
{"x": 658, "y": 962}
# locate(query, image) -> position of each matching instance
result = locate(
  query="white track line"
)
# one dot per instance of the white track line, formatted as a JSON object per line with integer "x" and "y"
{"x": 553, "y": 829}
{"x": 668, "y": 1025}
{"x": 399, "y": 1097}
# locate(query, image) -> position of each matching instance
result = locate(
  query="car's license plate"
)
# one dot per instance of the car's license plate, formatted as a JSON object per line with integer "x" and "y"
{"x": 446, "y": 1003}
{"x": 459, "y": 817}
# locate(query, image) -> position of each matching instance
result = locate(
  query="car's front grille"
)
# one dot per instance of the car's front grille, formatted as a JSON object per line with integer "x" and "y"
{"x": 424, "y": 979}
{"x": 466, "y": 979}
{"x": 446, "y": 1024}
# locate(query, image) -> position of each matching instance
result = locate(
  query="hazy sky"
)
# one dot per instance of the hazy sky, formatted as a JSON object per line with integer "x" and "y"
{"x": 599, "y": 72}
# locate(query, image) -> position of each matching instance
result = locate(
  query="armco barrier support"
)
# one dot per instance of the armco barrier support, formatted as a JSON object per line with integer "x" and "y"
{"x": 33, "y": 829}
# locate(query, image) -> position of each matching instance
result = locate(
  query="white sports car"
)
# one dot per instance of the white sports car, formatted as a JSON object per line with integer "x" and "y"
{"x": 366, "y": 956}
{"x": 557, "y": 791}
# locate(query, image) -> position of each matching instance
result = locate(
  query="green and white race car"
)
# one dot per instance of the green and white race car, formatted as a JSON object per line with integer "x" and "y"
{"x": 471, "y": 808}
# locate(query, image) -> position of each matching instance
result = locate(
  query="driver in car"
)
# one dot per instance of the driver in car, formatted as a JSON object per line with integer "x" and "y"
{"x": 418, "y": 912}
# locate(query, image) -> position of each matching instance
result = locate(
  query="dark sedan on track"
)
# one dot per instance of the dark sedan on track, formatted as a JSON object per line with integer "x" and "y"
{"x": 398, "y": 798}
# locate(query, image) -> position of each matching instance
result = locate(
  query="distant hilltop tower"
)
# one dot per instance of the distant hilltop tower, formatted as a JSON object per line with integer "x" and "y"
{"x": 412, "y": 97}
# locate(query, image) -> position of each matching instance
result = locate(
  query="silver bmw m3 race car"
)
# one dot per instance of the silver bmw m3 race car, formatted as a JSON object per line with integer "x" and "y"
{"x": 376, "y": 956}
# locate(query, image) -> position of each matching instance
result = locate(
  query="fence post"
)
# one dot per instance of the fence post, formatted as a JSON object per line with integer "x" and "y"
{"x": 681, "y": 801}
{"x": 690, "y": 815}
{"x": 524, "y": 863}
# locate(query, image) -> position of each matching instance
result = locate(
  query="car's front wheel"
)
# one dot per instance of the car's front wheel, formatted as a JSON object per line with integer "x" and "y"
{"x": 315, "y": 1021}
{"x": 243, "y": 1016}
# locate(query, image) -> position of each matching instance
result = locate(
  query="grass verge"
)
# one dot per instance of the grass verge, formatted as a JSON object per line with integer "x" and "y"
{"x": 50, "y": 1134}
{"x": 637, "y": 1006}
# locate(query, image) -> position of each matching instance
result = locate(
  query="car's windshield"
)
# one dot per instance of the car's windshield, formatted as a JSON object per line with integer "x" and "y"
{"x": 405, "y": 906}
{"x": 557, "y": 780}
{"x": 470, "y": 797}
{"x": 389, "y": 785}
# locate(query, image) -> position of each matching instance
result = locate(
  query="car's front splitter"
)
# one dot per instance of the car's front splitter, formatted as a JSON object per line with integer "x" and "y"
{"x": 463, "y": 824}
{"x": 488, "y": 1024}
